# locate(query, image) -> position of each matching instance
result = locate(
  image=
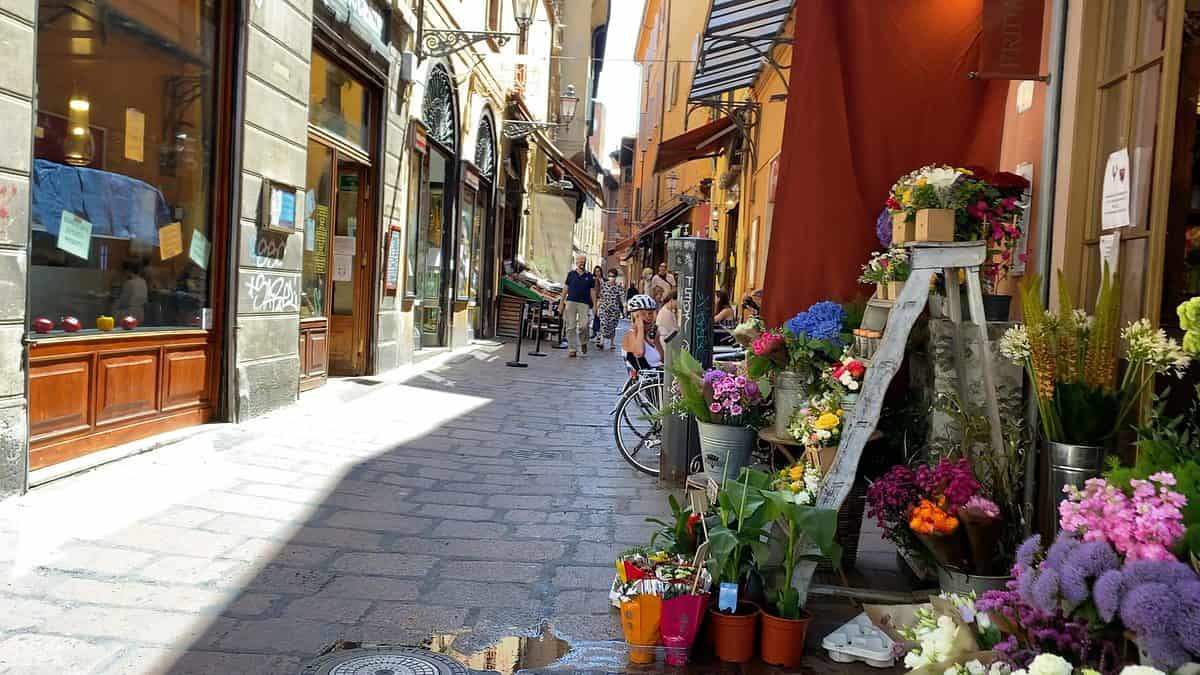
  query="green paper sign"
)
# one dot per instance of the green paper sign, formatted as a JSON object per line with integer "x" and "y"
{"x": 75, "y": 235}
{"x": 198, "y": 251}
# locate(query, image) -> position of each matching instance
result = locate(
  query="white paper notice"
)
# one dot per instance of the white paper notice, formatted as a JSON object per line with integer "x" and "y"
{"x": 1024, "y": 170}
{"x": 135, "y": 134}
{"x": 1110, "y": 252}
{"x": 1114, "y": 204}
{"x": 343, "y": 245}
{"x": 343, "y": 268}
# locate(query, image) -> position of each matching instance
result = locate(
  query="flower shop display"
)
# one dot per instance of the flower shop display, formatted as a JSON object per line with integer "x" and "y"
{"x": 887, "y": 270}
{"x": 1072, "y": 359}
{"x": 729, "y": 409}
{"x": 959, "y": 204}
{"x": 661, "y": 596}
{"x": 795, "y": 355}
{"x": 800, "y": 483}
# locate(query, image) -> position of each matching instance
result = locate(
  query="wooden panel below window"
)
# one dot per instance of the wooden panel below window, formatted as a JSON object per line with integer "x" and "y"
{"x": 185, "y": 377}
{"x": 126, "y": 386}
{"x": 318, "y": 353}
{"x": 341, "y": 345}
{"x": 59, "y": 396}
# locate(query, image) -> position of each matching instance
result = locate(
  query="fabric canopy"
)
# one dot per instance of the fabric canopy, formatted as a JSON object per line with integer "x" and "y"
{"x": 877, "y": 89}
{"x": 579, "y": 176}
{"x": 706, "y": 141}
{"x": 737, "y": 35}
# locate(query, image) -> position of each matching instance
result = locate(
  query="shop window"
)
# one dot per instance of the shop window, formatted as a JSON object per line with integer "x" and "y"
{"x": 316, "y": 231}
{"x": 477, "y": 242}
{"x": 121, "y": 223}
{"x": 467, "y": 229}
{"x": 416, "y": 182}
{"x": 337, "y": 102}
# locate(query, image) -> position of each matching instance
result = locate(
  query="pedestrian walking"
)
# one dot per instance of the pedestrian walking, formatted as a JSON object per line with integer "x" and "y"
{"x": 643, "y": 349}
{"x": 609, "y": 310}
{"x": 598, "y": 276}
{"x": 644, "y": 285}
{"x": 576, "y": 300}
{"x": 667, "y": 320}
{"x": 664, "y": 280}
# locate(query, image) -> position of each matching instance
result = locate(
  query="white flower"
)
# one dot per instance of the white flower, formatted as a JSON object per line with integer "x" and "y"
{"x": 974, "y": 667}
{"x": 852, "y": 385}
{"x": 1153, "y": 348}
{"x": 1014, "y": 344}
{"x": 1050, "y": 664}
{"x": 999, "y": 668}
{"x": 1141, "y": 670}
{"x": 941, "y": 178}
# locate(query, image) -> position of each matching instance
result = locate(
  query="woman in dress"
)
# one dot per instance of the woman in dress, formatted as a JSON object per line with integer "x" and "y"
{"x": 609, "y": 309}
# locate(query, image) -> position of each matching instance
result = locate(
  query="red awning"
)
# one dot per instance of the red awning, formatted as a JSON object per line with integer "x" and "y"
{"x": 706, "y": 141}
{"x": 668, "y": 217}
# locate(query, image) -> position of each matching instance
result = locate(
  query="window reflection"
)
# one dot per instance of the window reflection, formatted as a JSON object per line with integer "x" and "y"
{"x": 337, "y": 102}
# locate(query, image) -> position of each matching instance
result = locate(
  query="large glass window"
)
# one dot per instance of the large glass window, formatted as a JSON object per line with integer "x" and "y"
{"x": 416, "y": 182}
{"x": 337, "y": 101}
{"x": 123, "y": 164}
{"x": 466, "y": 229}
{"x": 477, "y": 240}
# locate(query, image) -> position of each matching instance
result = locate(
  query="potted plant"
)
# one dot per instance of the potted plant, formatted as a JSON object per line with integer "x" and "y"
{"x": 875, "y": 272}
{"x": 995, "y": 205}
{"x": 818, "y": 426}
{"x": 729, "y": 409}
{"x": 797, "y": 521}
{"x": 736, "y": 535}
{"x": 1072, "y": 360}
{"x": 845, "y": 377}
{"x": 926, "y": 198}
{"x": 795, "y": 355}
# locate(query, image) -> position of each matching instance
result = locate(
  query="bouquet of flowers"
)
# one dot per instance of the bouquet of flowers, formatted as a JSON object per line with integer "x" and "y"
{"x": 715, "y": 396}
{"x": 845, "y": 376}
{"x": 799, "y": 483}
{"x": 806, "y": 344}
{"x": 1071, "y": 358}
{"x": 1141, "y": 526}
{"x": 885, "y": 266}
{"x": 986, "y": 205}
{"x": 818, "y": 424}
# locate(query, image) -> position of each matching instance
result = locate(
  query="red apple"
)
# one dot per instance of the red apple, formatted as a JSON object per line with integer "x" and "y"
{"x": 43, "y": 325}
{"x": 128, "y": 322}
{"x": 70, "y": 324}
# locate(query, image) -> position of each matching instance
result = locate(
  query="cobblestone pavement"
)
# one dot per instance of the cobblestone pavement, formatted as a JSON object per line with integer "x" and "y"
{"x": 469, "y": 496}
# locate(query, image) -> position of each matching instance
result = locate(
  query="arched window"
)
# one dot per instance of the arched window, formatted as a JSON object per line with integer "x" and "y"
{"x": 485, "y": 148}
{"x": 438, "y": 110}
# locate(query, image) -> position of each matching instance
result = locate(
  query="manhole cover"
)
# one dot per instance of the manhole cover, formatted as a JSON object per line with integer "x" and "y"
{"x": 390, "y": 661}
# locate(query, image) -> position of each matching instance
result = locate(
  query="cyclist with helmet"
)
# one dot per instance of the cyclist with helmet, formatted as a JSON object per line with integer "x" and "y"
{"x": 641, "y": 343}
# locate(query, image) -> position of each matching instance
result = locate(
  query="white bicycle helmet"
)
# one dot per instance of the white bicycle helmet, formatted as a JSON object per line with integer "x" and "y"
{"x": 642, "y": 301}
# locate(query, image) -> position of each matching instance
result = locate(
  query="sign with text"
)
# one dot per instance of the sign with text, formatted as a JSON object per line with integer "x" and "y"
{"x": 170, "y": 240}
{"x": 1011, "y": 40}
{"x": 199, "y": 249}
{"x": 75, "y": 235}
{"x": 391, "y": 276}
{"x": 1114, "y": 207}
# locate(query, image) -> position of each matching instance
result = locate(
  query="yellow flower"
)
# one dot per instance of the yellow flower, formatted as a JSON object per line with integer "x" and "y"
{"x": 796, "y": 472}
{"x": 827, "y": 421}
{"x": 796, "y": 486}
{"x": 965, "y": 172}
{"x": 921, "y": 181}
{"x": 906, "y": 198}
{"x": 840, "y": 412}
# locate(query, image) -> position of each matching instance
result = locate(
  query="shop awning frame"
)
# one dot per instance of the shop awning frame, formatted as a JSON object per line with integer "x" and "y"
{"x": 739, "y": 36}
{"x": 579, "y": 176}
{"x": 709, "y": 140}
{"x": 667, "y": 217}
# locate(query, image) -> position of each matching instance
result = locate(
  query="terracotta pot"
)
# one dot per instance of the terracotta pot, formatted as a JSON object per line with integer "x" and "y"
{"x": 733, "y": 635}
{"x": 782, "y": 642}
{"x": 935, "y": 225}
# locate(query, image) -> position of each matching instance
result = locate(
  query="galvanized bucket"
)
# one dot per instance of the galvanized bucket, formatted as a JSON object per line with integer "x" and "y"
{"x": 725, "y": 449}
{"x": 791, "y": 391}
{"x": 964, "y": 584}
{"x": 1066, "y": 464}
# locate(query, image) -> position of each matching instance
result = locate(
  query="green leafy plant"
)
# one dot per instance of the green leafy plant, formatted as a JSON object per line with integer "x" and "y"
{"x": 679, "y": 535}
{"x": 794, "y": 525}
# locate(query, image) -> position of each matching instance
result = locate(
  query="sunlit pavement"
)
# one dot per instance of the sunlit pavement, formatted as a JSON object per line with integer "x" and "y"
{"x": 457, "y": 496}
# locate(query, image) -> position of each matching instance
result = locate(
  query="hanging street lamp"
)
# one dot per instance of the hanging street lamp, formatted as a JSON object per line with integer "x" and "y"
{"x": 433, "y": 42}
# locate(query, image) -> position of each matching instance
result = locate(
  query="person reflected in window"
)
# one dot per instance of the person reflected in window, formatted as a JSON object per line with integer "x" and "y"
{"x": 668, "y": 319}
{"x": 134, "y": 292}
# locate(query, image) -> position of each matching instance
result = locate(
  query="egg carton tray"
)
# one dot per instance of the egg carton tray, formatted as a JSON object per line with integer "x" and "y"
{"x": 859, "y": 640}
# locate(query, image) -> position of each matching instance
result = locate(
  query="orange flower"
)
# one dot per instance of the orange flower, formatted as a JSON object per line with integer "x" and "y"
{"x": 929, "y": 518}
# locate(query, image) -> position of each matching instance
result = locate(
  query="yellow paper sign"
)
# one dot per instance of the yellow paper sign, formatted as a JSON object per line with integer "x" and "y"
{"x": 170, "y": 240}
{"x": 135, "y": 134}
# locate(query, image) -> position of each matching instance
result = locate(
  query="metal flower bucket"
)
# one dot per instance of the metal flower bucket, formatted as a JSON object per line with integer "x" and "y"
{"x": 725, "y": 449}
{"x": 791, "y": 390}
{"x": 1066, "y": 464}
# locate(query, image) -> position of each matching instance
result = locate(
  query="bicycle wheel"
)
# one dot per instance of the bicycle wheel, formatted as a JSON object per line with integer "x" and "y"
{"x": 639, "y": 438}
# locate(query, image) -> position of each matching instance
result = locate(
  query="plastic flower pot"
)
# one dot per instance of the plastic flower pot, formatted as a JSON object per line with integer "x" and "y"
{"x": 681, "y": 619}
{"x": 640, "y": 621}
{"x": 782, "y": 641}
{"x": 935, "y": 225}
{"x": 903, "y": 229}
{"x": 733, "y": 635}
{"x": 996, "y": 307}
{"x": 725, "y": 449}
{"x": 791, "y": 390}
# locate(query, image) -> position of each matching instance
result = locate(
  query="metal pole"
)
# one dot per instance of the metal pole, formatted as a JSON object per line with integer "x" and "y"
{"x": 561, "y": 344}
{"x": 537, "y": 348}
{"x": 516, "y": 362}
{"x": 1045, "y": 219}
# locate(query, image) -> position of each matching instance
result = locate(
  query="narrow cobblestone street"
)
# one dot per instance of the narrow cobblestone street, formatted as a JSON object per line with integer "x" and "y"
{"x": 470, "y": 496}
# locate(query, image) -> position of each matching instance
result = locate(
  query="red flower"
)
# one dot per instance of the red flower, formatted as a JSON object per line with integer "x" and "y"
{"x": 691, "y": 524}
{"x": 979, "y": 172}
{"x": 856, "y": 369}
{"x": 1006, "y": 180}
{"x": 892, "y": 203}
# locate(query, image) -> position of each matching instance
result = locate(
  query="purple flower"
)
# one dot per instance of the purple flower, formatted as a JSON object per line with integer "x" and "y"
{"x": 1072, "y": 582}
{"x": 1107, "y": 593}
{"x": 1148, "y": 607}
{"x": 1093, "y": 558}
{"x": 1045, "y": 591}
{"x": 1187, "y": 625}
{"x": 1028, "y": 550}
{"x": 1169, "y": 572}
{"x": 883, "y": 227}
{"x": 1164, "y": 651}
{"x": 1057, "y": 554}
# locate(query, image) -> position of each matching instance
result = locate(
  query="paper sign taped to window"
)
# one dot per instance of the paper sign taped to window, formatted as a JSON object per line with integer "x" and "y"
{"x": 343, "y": 245}
{"x": 1114, "y": 204}
{"x": 170, "y": 240}
{"x": 135, "y": 134}
{"x": 343, "y": 267}
{"x": 75, "y": 235}
{"x": 1110, "y": 252}
{"x": 199, "y": 249}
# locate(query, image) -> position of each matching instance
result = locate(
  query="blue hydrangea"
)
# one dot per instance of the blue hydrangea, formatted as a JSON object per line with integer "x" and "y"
{"x": 822, "y": 321}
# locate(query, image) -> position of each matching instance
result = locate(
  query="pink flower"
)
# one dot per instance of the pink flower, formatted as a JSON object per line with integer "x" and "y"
{"x": 714, "y": 407}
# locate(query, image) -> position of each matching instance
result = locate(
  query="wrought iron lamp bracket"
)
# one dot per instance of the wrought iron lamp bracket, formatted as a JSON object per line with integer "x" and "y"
{"x": 445, "y": 42}
{"x": 743, "y": 114}
{"x": 514, "y": 129}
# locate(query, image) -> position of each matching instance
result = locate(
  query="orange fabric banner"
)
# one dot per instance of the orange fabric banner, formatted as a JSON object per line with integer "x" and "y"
{"x": 876, "y": 89}
{"x": 1012, "y": 39}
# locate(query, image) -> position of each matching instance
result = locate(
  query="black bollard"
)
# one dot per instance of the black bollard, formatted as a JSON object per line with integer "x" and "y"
{"x": 537, "y": 347}
{"x": 516, "y": 363}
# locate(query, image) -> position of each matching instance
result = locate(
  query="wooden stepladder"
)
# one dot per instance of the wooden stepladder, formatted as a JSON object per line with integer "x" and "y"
{"x": 927, "y": 259}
